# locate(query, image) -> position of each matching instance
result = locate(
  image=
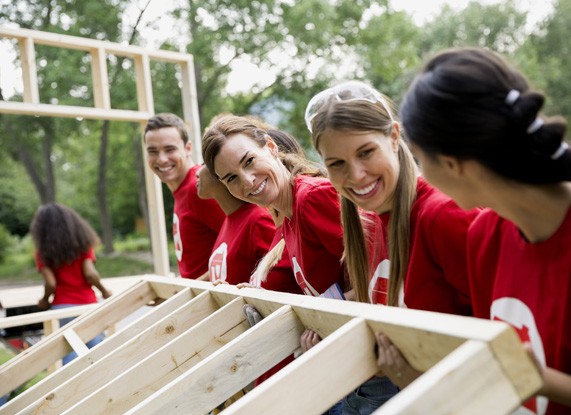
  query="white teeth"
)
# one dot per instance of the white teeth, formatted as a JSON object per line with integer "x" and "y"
{"x": 164, "y": 169}
{"x": 365, "y": 190}
{"x": 259, "y": 189}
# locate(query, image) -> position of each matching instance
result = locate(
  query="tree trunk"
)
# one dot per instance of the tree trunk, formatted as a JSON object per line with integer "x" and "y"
{"x": 46, "y": 188}
{"x": 104, "y": 214}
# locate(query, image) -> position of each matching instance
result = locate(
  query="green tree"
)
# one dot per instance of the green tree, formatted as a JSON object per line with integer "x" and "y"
{"x": 548, "y": 56}
{"x": 500, "y": 27}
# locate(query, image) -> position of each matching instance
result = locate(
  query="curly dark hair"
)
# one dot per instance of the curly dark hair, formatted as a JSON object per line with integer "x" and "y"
{"x": 60, "y": 234}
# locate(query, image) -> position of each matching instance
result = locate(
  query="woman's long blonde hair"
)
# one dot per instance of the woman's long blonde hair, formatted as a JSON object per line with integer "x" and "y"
{"x": 363, "y": 115}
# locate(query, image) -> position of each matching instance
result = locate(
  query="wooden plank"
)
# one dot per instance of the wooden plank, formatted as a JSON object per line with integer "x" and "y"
{"x": 68, "y": 111}
{"x": 75, "y": 342}
{"x": 100, "y": 79}
{"x": 29, "y": 70}
{"x": 516, "y": 363}
{"x": 190, "y": 107}
{"x": 44, "y": 316}
{"x": 115, "y": 343}
{"x": 319, "y": 378}
{"x": 38, "y": 357}
{"x": 468, "y": 381}
{"x": 228, "y": 370}
{"x": 157, "y": 226}
{"x": 167, "y": 363}
{"x": 423, "y": 337}
{"x": 126, "y": 357}
{"x": 144, "y": 84}
{"x": 82, "y": 43}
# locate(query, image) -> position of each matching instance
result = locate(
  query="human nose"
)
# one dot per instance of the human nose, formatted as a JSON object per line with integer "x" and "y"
{"x": 162, "y": 156}
{"x": 356, "y": 171}
{"x": 247, "y": 179}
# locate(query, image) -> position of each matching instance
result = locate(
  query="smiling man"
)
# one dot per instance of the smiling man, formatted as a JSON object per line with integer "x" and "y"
{"x": 196, "y": 222}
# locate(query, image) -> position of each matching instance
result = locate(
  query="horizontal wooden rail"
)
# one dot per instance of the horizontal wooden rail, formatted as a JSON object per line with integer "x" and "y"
{"x": 43, "y": 316}
{"x": 87, "y": 44}
{"x": 70, "y": 111}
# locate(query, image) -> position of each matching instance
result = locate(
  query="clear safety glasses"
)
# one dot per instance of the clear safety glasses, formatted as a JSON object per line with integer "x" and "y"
{"x": 344, "y": 92}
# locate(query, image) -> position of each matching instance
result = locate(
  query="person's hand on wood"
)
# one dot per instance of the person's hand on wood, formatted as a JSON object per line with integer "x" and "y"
{"x": 253, "y": 316}
{"x": 308, "y": 340}
{"x": 393, "y": 364}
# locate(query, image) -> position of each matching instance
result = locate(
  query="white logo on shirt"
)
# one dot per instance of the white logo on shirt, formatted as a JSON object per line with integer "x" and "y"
{"x": 301, "y": 281}
{"x": 217, "y": 263}
{"x": 176, "y": 237}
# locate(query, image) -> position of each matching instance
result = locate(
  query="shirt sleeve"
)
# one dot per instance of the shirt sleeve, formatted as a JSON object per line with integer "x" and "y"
{"x": 449, "y": 230}
{"x": 322, "y": 216}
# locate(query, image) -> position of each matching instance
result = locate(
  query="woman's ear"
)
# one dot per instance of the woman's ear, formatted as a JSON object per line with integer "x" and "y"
{"x": 395, "y": 136}
{"x": 273, "y": 147}
{"x": 452, "y": 164}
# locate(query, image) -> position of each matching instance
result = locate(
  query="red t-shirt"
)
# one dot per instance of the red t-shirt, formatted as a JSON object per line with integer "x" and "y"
{"x": 527, "y": 285}
{"x": 71, "y": 285}
{"x": 436, "y": 278}
{"x": 281, "y": 278}
{"x": 196, "y": 223}
{"x": 314, "y": 235}
{"x": 244, "y": 238}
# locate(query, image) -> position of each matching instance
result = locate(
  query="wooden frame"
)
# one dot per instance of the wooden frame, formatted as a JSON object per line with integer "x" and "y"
{"x": 102, "y": 110}
{"x": 193, "y": 351}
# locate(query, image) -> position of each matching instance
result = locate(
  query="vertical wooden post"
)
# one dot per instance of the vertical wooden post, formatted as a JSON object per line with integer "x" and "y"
{"x": 29, "y": 74}
{"x": 154, "y": 187}
{"x": 190, "y": 108}
{"x": 100, "y": 79}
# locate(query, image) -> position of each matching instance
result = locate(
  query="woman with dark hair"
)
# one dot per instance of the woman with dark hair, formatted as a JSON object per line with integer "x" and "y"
{"x": 475, "y": 125}
{"x": 241, "y": 153}
{"x": 65, "y": 257}
{"x": 404, "y": 240}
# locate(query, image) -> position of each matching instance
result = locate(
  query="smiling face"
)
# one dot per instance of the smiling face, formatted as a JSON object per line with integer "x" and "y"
{"x": 362, "y": 166}
{"x": 250, "y": 172}
{"x": 167, "y": 155}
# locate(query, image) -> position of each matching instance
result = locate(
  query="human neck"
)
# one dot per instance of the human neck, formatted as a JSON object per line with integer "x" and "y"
{"x": 537, "y": 210}
{"x": 228, "y": 203}
{"x": 284, "y": 202}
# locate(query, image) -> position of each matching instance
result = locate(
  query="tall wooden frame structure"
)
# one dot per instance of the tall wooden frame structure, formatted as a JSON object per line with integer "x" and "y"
{"x": 195, "y": 349}
{"x": 102, "y": 110}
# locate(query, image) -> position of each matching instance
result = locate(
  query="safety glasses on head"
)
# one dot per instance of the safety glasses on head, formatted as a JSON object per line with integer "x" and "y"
{"x": 344, "y": 92}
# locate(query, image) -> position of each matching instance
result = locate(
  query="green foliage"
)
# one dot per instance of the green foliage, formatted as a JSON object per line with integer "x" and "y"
{"x": 552, "y": 57}
{"x": 19, "y": 199}
{"x": 121, "y": 265}
{"x": 6, "y": 242}
{"x": 306, "y": 45}
{"x": 499, "y": 26}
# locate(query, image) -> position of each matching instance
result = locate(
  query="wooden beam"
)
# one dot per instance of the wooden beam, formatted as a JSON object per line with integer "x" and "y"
{"x": 37, "y": 358}
{"x": 100, "y": 79}
{"x": 468, "y": 381}
{"x": 190, "y": 107}
{"x": 44, "y": 316}
{"x": 167, "y": 363}
{"x": 29, "y": 71}
{"x": 126, "y": 338}
{"x": 75, "y": 342}
{"x": 68, "y": 111}
{"x": 125, "y": 358}
{"x": 228, "y": 370}
{"x": 317, "y": 379}
{"x": 81, "y": 43}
